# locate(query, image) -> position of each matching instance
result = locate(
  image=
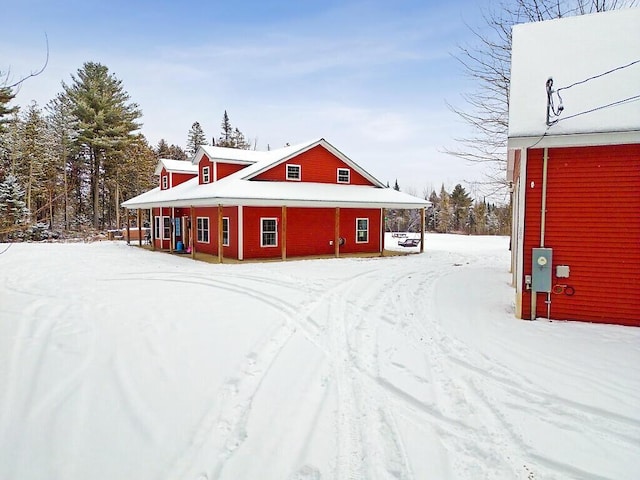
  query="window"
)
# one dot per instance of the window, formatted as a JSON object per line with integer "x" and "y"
{"x": 293, "y": 172}
{"x": 268, "y": 232}
{"x": 202, "y": 224}
{"x": 166, "y": 230}
{"x": 362, "y": 230}
{"x": 225, "y": 231}
{"x": 156, "y": 227}
{"x": 206, "y": 178}
{"x": 344, "y": 175}
{"x": 165, "y": 182}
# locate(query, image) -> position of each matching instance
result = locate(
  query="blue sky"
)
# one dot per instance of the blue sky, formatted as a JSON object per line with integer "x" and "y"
{"x": 371, "y": 77}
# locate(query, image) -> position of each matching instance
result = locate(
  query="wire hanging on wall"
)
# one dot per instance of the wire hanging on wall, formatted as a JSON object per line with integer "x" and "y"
{"x": 554, "y": 112}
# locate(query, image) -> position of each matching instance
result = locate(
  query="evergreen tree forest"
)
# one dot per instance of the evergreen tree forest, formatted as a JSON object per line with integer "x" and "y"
{"x": 68, "y": 165}
{"x": 454, "y": 212}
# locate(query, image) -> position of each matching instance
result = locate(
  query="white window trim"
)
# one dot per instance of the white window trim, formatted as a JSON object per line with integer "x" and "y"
{"x": 206, "y": 174}
{"x": 293, "y": 179}
{"x": 156, "y": 227}
{"x": 262, "y": 232}
{"x": 360, "y": 230}
{"x": 208, "y": 230}
{"x": 348, "y": 174}
{"x": 164, "y": 227}
{"x": 165, "y": 182}
{"x": 228, "y": 242}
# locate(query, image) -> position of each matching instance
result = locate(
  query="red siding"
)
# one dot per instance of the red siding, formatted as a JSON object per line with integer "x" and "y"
{"x": 593, "y": 225}
{"x": 226, "y": 169}
{"x": 178, "y": 178}
{"x": 348, "y": 230}
{"x": 316, "y": 165}
{"x": 309, "y": 231}
{"x": 163, "y": 174}
{"x": 232, "y": 250}
{"x": 205, "y": 162}
{"x": 211, "y": 248}
{"x": 251, "y": 221}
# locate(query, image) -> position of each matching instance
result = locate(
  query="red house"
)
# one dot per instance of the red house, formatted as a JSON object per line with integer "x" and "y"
{"x": 574, "y": 163}
{"x": 301, "y": 200}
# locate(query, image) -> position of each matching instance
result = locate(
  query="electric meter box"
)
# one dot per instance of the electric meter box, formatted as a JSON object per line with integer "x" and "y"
{"x": 541, "y": 269}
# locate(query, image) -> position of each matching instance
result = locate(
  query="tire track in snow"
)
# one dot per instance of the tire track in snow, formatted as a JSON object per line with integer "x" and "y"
{"x": 369, "y": 445}
{"x": 223, "y": 427}
{"x": 453, "y": 413}
{"x": 309, "y": 328}
{"x": 556, "y": 409}
{"x": 495, "y": 436}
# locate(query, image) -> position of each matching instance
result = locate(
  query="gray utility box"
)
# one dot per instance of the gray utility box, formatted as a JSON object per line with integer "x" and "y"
{"x": 541, "y": 269}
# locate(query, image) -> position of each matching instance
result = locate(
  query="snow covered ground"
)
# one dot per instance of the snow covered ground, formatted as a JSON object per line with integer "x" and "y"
{"x": 121, "y": 363}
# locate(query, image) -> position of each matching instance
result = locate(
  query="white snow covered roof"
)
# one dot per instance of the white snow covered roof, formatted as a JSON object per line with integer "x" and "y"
{"x": 576, "y": 52}
{"x": 261, "y": 161}
{"x": 239, "y": 189}
{"x": 175, "y": 166}
{"x": 230, "y": 155}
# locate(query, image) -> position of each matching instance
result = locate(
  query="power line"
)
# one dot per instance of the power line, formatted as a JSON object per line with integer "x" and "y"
{"x": 612, "y": 104}
{"x": 552, "y": 111}
{"x": 599, "y": 75}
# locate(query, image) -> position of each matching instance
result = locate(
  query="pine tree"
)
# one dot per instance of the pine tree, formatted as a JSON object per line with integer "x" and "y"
{"x": 460, "y": 204}
{"x": 13, "y": 210}
{"x": 195, "y": 138}
{"x": 231, "y": 137}
{"x": 135, "y": 175}
{"x": 164, "y": 150}
{"x": 480, "y": 218}
{"x": 239, "y": 141}
{"x": 62, "y": 126}
{"x": 445, "y": 213}
{"x": 226, "y": 137}
{"x": 33, "y": 166}
{"x": 432, "y": 211}
{"x": 396, "y": 187}
{"x": 6, "y": 95}
{"x": 106, "y": 122}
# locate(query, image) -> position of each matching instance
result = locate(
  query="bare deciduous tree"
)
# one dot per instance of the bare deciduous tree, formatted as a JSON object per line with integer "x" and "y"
{"x": 487, "y": 62}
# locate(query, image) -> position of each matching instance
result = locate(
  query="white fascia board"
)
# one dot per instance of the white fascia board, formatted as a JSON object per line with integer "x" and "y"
{"x": 274, "y": 202}
{"x": 575, "y": 140}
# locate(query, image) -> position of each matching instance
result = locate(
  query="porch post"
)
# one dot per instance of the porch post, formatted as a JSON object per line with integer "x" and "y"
{"x": 172, "y": 233}
{"x": 128, "y": 229}
{"x": 382, "y": 230}
{"x": 153, "y": 229}
{"x": 220, "y": 247}
{"x": 139, "y": 228}
{"x": 193, "y": 232}
{"x": 336, "y": 240}
{"x": 423, "y": 212}
{"x": 284, "y": 233}
{"x": 240, "y": 233}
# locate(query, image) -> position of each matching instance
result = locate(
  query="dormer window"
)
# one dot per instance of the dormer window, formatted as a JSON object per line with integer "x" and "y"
{"x": 344, "y": 175}
{"x": 165, "y": 182}
{"x": 293, "y": 172}
{"x": 206, "y": 175}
